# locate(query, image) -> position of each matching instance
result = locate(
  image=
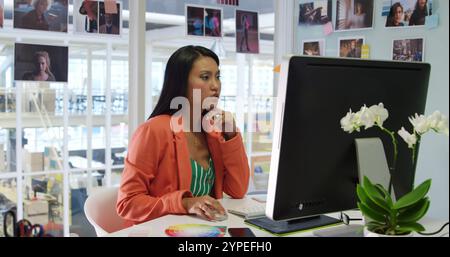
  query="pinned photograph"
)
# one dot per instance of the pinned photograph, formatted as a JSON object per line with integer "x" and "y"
{"x": 228, "y": 2}
{"x": 195, "y": 18}
{"x": 47, "y": 15}
{"x": 354, "y": 14}
{"x": 213, "y": 22}
{"x": 313, "y": 47}
{"x": 408, "y": 50}
{"x": 247, "y": 32}
{"x": 315, "y": 12}
{"x": 109, "y": 23}
{"x": 2, "y": 7}
{"x": 85, "y": 16}
{"x": 40, "y": 63}
{"x": 406, "y": 13}
{"x": 351, "y": 47}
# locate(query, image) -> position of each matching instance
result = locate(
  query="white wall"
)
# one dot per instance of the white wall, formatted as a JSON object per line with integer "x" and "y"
{"x": 434, "y": 153}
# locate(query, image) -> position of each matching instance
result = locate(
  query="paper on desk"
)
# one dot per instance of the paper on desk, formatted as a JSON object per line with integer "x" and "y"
{"x": 195, "y": 230}
{"x": 260, "y": 199}
{"x": 111, "y": 6}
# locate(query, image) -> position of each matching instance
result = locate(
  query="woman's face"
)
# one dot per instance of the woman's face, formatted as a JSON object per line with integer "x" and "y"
{"x": 204, "y": 76}
{"x": 422, "y": 3}
{"x": 359, "y": 8}
{"x": 42, "y": 6}
{"x": 41, "y": 64}
{"x": 398, "y": 14}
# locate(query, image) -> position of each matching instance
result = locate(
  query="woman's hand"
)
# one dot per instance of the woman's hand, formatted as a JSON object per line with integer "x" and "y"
{"x": 204, "y": 206}
{"x": 224, "y": 122}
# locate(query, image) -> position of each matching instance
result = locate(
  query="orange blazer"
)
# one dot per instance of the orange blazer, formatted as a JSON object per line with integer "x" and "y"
{"x": 157, "y": 173}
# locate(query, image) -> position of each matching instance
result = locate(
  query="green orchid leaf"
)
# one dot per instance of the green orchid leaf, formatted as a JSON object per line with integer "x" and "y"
{"x": 370, "y": 213}
{"x": 413, "y": 196}
{"x": 374, "y": 194}
{"x": 381, "y": 189}
{"x": 415, "y": 212}
{"x": 386, "y": 196}
{"x": 410, "y": 227}
{"x": 375, "y": 226}
{"x": 362, "y": 195}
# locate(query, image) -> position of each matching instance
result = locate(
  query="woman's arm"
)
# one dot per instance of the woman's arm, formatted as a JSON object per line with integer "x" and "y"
{"x": 237, "y": 172}
{"x": 134, "y": 202}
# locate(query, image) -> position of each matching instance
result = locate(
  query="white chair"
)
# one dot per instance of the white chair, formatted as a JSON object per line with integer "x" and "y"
{"x": 100, "y": 210}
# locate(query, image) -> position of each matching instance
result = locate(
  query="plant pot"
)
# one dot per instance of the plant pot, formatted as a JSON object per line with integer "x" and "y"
{"x": 368, "y": 233}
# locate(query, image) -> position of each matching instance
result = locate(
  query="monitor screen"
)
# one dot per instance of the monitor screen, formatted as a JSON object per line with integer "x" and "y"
{"x": 314, "y": 164}
{"x": 38, "y": 185}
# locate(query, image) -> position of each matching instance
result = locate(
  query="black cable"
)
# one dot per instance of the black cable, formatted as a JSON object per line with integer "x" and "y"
{"x": 434, "y": 233}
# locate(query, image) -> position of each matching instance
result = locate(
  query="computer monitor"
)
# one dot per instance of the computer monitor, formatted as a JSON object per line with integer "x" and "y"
{"x": 38, "y": 185}
{"x": 314, "y": 165}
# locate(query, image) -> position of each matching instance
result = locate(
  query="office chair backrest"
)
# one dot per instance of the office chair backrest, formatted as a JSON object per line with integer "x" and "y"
{"x": 100, "y": 210}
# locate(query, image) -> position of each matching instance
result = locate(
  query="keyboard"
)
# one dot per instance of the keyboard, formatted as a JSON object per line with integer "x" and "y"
{"x": 249, "y": 212}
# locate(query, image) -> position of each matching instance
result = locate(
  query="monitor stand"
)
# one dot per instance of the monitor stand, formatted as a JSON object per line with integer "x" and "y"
{"x": 297, "y": 225}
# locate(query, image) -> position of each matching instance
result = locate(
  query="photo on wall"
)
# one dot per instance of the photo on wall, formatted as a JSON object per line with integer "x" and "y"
{"x": 315, "y": 12}
{"x": 313, "y": 47}
{"x": 228, "y": 2}
{"x": 2, "y": 8}
{"x": 213, "y": 22}
{"x": 40, "y": 63}
{"x": 406, "y": 13}
{"x": 85, "y": 16}
{"x": 408, "y": 50}
{"x": 247, "y": 32}
{"x": 354, "y": 14}
{"x": 195, "y": 20}
{"x": 109, "y": 23}
{"x": 351, "y": 47}
{"x": 46, "y": 15}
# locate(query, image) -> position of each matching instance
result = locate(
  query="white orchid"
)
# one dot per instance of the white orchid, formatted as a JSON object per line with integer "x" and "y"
{"x": 366, "y": 117}
{"x": 350, "y": 122}
{"x": 438, "y": 122}
{"x": 380, "y": 114}
{"x": 346, "y": 122}
{"x": 410, "y": 139}
{"x": 420, "y": 123}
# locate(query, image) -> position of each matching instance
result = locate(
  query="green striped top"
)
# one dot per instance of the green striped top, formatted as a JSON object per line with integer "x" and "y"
{"x": 202, "y": 181}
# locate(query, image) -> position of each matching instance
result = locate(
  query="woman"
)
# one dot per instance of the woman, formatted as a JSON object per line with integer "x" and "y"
{"x": 42, "y": 71}
{"x": 35, "y": 19}
{"x": 395, "y": 16}
{"x": 419, "y": 14}
{"x": 90, "y": 9}
{"x": 245, "y": 24}
{"x": 175, "y": 167}
{"x": 357, "y": 19}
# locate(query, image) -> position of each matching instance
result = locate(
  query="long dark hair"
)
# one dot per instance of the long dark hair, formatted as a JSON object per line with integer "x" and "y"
{"x": 177, "y": 74}
{"x": 390, "y": 19}
{"x": 423, "y": 12}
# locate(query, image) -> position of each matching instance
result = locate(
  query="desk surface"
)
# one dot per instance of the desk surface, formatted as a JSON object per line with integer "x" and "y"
{"x": 157, "y": 227}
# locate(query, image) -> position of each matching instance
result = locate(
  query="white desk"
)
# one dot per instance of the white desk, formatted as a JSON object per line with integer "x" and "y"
{"x": 157, "y": 227}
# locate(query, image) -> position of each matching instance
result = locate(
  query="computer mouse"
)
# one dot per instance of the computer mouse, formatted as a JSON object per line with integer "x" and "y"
{"x": 219, "y": 217}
